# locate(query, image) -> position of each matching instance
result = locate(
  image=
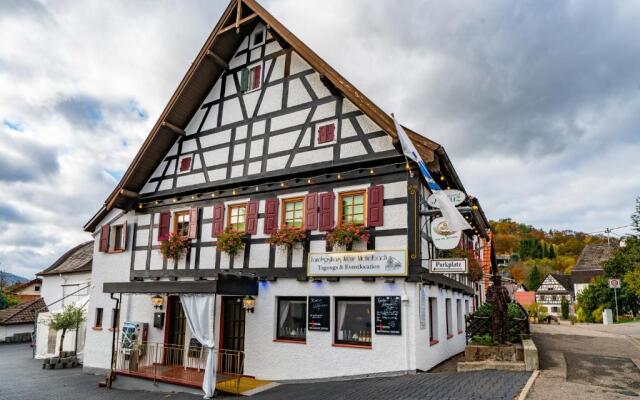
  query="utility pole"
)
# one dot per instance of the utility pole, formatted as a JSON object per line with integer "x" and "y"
{"x": 608, "y": 231}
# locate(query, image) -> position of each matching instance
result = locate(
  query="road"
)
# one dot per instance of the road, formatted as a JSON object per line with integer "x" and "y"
{"x": 22, "y": 378}
{"x": 587, "y": 362}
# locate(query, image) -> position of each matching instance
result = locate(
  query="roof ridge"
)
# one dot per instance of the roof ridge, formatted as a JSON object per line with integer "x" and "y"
{"x": 63, "y": 258}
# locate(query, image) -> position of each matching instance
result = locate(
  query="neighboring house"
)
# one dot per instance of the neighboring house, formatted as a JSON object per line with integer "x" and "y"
{"x": 65, "y": 282}
{"x": 27, "y": 291}
{"x": 263, "y": 134}
{"x": 553, "y": 289}
{"x": 16, "y": 323}
{"x": 589, "y": 265}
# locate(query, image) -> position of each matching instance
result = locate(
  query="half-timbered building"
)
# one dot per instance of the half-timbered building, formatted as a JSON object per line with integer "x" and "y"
{"x": 261, "y": 134}
{"x": 554, "y": 289}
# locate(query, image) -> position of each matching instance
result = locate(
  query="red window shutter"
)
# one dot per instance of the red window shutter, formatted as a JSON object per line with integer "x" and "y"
{"x": 375, "y": 206}
{"x": 311, "y": 211}
{"x": 270, "y": 215}
{"x": 163, "y": 228}
{"x": 193, "y": 223}
{"x": 104, "y": 238}
{"x": 252, "y": 217}
{"x": 322, "y": 134}
{"x": 185, "y": 164}
{"x": 329, "y": 132}
{"x": 326, "y": 211}
{"x": 123, "y": 243}
{"x": 257, "y": 76}
{"x": 218, "y": 219}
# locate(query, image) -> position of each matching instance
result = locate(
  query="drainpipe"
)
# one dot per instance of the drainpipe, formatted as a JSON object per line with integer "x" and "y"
{"x": 113, "y": 345}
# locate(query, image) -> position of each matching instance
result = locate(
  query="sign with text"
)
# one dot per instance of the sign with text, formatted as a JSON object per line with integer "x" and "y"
{"x": 358, "y": 263}
{"x": 615, "y": 283}
{"x": 448, "y": 266}
{"x": 443, "y": 238}
{"x": 387, "y": 312}
{"x": 319, "y": 313}
{"x": 456, "y": 197}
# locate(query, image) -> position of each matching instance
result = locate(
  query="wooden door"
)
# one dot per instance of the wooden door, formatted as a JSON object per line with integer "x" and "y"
{"x": 232, "y": 332}
{"x": 175, "y": 335}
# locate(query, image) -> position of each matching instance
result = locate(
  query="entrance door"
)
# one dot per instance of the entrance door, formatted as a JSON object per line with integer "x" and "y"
{"x": 174, "y": 337}
{"x": 232, "y": 327}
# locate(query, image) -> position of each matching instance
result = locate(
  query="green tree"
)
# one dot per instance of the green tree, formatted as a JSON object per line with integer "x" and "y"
{"x": 7, "y": 300}
{"x": 598, "y": 295}
{"x": 624, "y": 260}
{"x": 564, "y": 307}
{"x": 534, "y": 279}
{"x": 69, "y": 319}
{"x": 552, "y": 252}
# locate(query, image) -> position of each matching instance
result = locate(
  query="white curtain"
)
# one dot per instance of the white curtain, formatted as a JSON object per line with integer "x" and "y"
{"x": 199, "y": 311}
{"x": 342, "y": 312}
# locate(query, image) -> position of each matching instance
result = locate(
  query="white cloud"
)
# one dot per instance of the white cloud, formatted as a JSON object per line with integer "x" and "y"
{"x": 538, "y": 106}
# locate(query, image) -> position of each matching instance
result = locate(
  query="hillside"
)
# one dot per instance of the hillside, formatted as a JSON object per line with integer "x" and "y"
{"x": 549, "y": 251}
{"x": 7, "y": 279}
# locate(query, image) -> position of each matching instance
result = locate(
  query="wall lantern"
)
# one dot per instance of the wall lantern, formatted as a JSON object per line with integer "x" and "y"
{"x": 248, "y": 303}
{"x": 157, "y": 302}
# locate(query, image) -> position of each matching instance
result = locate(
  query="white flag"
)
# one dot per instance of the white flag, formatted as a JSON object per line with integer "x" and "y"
{"x": 455, "y": 220}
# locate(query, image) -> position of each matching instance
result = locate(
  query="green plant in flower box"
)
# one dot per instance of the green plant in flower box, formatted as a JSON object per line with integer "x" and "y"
{"x": 231, "y": 241}
{"x": 346, "y": 235}
{"x": 174, "y": 247}
{"x": 287, "y": 237}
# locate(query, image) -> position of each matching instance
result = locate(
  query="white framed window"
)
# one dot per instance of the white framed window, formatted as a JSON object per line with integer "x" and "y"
{"x": 118, "y": 238}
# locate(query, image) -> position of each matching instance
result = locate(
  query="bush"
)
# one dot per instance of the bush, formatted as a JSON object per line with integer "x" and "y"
{"x": 174, "y": 247}
{"x": 483, "y": 340}
{"x": 287, "y": 237}
{"x": 347, "y": 234}
{"x": 231, "y": 241}
{"x": 486, "y": 309}
{"x": 596, "y": 314}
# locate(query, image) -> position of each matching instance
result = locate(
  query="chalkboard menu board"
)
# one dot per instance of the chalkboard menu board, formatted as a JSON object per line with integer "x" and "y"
{"x": 319, "y": 313}
{"x": 388, "y": 321}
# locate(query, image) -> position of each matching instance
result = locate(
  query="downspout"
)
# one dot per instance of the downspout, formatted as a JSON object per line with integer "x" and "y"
{"x": 113, "y": 345}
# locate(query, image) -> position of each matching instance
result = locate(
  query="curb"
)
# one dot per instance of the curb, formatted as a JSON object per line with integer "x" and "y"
{"x": 527, "y": 387}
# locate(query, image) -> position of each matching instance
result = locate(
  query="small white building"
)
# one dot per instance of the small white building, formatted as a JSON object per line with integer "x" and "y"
{"x": 262, "y": 134}
{"x": 66, "y": 281}
{"x": 553, "y": 289}
{"x": 17, "y": 322}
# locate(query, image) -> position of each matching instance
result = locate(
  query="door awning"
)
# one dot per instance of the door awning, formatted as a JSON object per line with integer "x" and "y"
{"x": 224, "y": 284}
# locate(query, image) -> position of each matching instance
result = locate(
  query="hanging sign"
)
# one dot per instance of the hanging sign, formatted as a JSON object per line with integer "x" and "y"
{"x": 318, "y": 315}
{"x": 448, "y": 266}
{"x": 388, "y": 320}
{"x": 442, "y": 237}
{"x": 614, "y": 283}
{"x": 358, "y": 263}
{"x": 456, "y": 197}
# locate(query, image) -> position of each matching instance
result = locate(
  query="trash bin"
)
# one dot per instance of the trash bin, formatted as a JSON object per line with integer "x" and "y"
{"x": 607, "y": 316}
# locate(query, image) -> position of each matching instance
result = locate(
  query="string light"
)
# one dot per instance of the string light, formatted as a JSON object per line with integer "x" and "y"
{"x": 308, "y": 180}
{"x": 442, "y": 177}
{"x": 213, "y": 195}
{"x": 174, "y": 199}
{"x": 281, "y": 184}
{"x": 371, "y": 171}
{"x": 407, "y": 166}
{"x": 233, "y": 191}
{"x": 339, "y": 176}
{"x": 157, "y": 202}
{"x": 140, "y": 205}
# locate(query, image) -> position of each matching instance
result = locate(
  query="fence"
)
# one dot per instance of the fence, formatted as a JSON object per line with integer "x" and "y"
{"x": 477, "y": 325}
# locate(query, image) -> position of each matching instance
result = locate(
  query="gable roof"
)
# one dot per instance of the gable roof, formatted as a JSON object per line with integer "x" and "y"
{"x": 24, "y": 313}
{"x": 78, "y": 259}
{"x": 564, "y": 280}
{"x": 237, "y": 20}
{"x": 19, "y": 286}
{"x": 592, "y": 257}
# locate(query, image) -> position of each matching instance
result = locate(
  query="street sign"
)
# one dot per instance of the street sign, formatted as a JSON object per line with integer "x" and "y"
{"x": 456, "y": 197}
{"x": 448, "y": 266}
{"x": 615, "y": 283}
{"x": 443, "y": 238}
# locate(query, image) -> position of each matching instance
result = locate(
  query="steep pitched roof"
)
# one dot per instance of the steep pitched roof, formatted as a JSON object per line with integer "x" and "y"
{"x": 78, "y": 259}
{"x": 592, "y": 257}
{"x": 24, "y": 313}
{"x": 237, "y": 20}
{"x": 564, "y": 280}
{"x": 19, "y": 286}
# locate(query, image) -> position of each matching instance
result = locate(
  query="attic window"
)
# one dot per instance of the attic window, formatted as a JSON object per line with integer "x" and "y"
{"x": 185, "y": 164}
{"x": 326, "y": 133}
{"x": 251, "y": 78}
{"x": 257, "y": 38}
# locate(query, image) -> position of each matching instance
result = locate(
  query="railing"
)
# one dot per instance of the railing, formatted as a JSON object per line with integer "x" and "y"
{"x": 180, "y": 365}
{"x": 476, "y": 325}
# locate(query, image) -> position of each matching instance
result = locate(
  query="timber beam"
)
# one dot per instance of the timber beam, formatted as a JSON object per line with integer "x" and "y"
{"x": 173, "y": 128}
{"x": 238, "y": 23}
{"x": 129, "y": 193}
{"x": 217, "y": 59}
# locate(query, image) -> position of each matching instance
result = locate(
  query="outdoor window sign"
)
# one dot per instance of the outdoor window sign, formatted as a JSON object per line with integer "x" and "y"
{"x": 448, "y": 266}
{"x": 319, "y": 313}
{"x": 358, "y": 263}
{"x": 442, "y": 237}
{"x": 388, "y": 315}
{"x": 456, "y": 197}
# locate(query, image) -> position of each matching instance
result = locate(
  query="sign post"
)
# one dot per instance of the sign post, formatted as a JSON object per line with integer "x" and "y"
{"x": 615, "y": 285}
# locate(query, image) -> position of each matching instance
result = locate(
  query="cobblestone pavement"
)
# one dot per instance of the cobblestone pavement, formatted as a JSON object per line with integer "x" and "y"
{"x": 22, "y": 378}
{"x": 580, "y": 362}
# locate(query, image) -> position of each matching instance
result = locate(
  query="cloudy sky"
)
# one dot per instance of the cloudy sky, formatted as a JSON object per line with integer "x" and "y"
{"x": 537, "y": 102}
